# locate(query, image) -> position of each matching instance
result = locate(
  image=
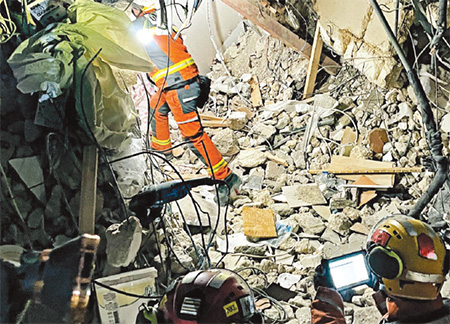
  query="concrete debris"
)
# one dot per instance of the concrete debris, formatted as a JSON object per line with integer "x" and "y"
{"x": 303, "y": 195}
{"x": 30, "y": 171}
{"x": 251, "y": 158}
{"x": 226, "y": 142}
{"x": 123, "y": 242}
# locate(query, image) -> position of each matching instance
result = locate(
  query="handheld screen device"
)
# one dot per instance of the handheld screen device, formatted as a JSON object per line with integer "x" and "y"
{"x": 348, "y": 271}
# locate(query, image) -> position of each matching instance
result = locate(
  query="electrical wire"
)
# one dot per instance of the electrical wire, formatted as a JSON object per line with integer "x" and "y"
{"x": 7, "y": 26}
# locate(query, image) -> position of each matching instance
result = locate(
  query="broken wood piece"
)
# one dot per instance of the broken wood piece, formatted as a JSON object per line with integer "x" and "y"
{"x": 213, "y": 121}
{"x": 345, "y": 164}
{"x": 88, "y": 190}
{"x": 256, "y": 93}
{"x": 313, "y": 66}
{"x": 364, "y": 182}
{"x": 368, "y": 171}
{"x": 251, "y": 11}
{"x": 366, "y": 196}
{"x": 377, "y": 138}
{"x": 276, "y": 159}
{"x": 258, "y": 223}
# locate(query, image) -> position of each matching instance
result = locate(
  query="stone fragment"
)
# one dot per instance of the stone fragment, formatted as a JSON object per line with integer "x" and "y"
{"x": 303, "y": 315}
{"x": 264, "y": 132}
{"x": 377, "y": 138}
{"x": 366, "y": 315}
{"x": 310, "y": 224}
{"x": 303, "y": 247}
{"x": 331, "y": 236}
{"x": 445, "y": 123}
{"x": 263, "y": 198}
{"x": 274, "y": 170}
{"x": 182, "y": 263}
{"x": 310, "y": 260}
{"x": 283, "y": 120}
{"x": 361, "y": 152}
{"x": 226, "y": 142}
{"x": 359, "y": 228}
{"x": 323, "y": 211}
{"x": 123, "y": 242}
{"x": 349, "y": 136}
{"x": 252, "y": 250}
{"x": 237, "y": 120}
{"x": 30, "y": 171}
{"x": 339, "y": 223}
{"x": 251, "y": 158}
{"x": 282, "y": 209}
{"x": 303, "y": 195}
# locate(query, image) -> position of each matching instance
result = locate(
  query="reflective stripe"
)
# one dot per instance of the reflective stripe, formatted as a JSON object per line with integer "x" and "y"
{"x": 216, "y": 167}
{"x": 189, "y": 99}
{"x": 174, "y": 68}
{"x": 424, "y": 277}
{"x": 160, "y": 142}
{"x": 188, "y": 121}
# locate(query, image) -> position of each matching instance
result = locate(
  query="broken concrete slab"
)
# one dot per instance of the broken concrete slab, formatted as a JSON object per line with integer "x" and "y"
{"x": 30, "y": 171}
{"x": 303, "y": 195}
{"x": 123, "y": 242}
{"x": 206, "y": 208}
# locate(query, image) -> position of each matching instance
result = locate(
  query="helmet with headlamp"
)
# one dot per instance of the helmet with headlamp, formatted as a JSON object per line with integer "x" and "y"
{"x": 408, "y": 256}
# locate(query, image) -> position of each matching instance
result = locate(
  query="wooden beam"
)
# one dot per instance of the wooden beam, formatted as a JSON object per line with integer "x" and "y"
{"x": 313, "y": 64}
{"x": 88, "y": 190}
{"x": 368, "y": 170}
{"x": 250, "y": 11}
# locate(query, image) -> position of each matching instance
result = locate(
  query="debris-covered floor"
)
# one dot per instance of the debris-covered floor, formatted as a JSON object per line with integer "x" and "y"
{"x": 309, "y": 191}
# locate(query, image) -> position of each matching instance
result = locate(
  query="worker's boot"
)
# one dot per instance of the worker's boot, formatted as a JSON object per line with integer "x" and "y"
{"x": 229, "y": 192}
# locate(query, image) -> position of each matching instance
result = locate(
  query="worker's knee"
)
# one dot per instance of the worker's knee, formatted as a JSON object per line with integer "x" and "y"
{"x": 191, "y": 131}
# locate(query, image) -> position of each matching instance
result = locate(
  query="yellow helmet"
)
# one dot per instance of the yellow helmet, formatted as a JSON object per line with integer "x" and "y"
{"x": 409, "y": 257}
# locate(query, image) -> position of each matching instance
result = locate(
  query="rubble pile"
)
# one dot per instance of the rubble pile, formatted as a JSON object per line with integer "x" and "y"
{"x": 276, "y": 140}
{"x": 41, "y": 175}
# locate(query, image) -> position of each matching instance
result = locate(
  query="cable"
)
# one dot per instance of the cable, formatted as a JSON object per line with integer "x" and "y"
{"x": 432, "y": 132}
{"x": 7, "y": 25}
{"x": 122, "y": 292}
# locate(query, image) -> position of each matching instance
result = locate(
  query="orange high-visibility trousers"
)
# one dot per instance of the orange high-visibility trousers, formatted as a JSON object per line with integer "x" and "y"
{"x": 182, "y": 103}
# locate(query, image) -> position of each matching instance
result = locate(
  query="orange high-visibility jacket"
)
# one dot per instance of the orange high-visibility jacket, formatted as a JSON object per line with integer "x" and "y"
{"x": 172, "y": 61}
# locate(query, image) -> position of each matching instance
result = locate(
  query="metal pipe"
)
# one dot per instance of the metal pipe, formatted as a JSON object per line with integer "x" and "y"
{"x": 433, "y": 134}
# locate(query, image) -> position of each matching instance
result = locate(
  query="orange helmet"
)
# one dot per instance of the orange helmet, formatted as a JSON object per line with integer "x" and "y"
{"x": 209, "y": 296}
{"x": 409, "y": 257}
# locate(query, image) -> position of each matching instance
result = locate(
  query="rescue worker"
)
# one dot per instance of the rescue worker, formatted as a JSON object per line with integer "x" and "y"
{"x": 411, "y": 262}
{"x": 177, "y": 78}
{"x": 204, "y": 297}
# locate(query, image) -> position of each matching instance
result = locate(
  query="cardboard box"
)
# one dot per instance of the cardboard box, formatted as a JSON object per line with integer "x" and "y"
{"x": 115, "y": 308}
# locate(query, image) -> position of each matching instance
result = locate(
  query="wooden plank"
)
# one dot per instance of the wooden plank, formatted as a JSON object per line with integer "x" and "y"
{"x": 88, "y": 190}
{"x": 367, "y": 170}
{"x": 313, "y": 64}
{"x": 258, "y": 223}
{"x": 256, "y": 93}
{"x": 250, "y": 11}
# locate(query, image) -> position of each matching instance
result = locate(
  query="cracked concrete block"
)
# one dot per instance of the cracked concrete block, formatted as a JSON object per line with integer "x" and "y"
{"x": 123, "y": 242}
